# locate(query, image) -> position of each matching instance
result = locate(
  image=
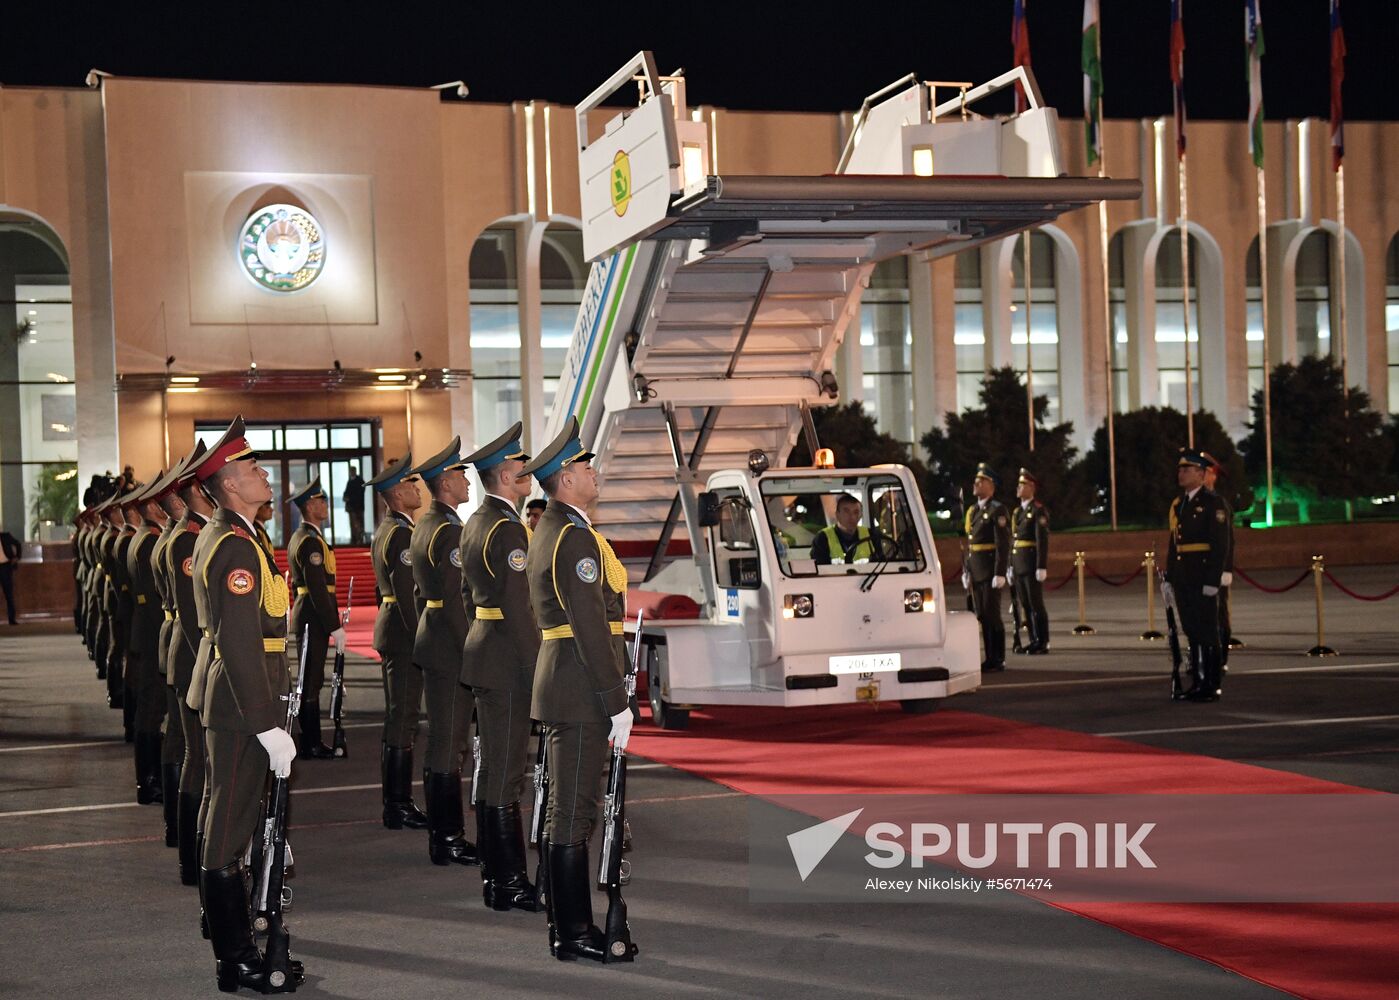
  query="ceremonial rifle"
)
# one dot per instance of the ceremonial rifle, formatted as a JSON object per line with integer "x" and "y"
{"x": 536, "y": 823}
{"x": 614, "y": 871}
{"x": 337, "y": 682}
{"x": 1168, "y": 597}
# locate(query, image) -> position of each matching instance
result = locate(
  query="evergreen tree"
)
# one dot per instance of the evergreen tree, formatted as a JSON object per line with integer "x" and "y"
{"x": 853, "y": 435}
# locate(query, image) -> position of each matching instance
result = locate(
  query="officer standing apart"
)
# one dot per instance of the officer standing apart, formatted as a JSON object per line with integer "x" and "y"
{"x": 1226, "y": 579}
{"x": 437, "y": 649}
{"x": 312, "y": 564}
{"x": 988, "y": 554}
{"x": 498, "y": 665}
{"x": 1029, "y": 560}
{"x": 1195, "y": 556}
{"x": 578, "y": 589}
{"x": 394, "y": 629}
{"x": 240, "y": 682}
{"x": 354, "y": 505}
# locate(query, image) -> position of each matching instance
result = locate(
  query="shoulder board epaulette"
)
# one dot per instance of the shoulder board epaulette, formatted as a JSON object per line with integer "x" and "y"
{"x": 242, "y": 533}
{"x": 576, "y": 518}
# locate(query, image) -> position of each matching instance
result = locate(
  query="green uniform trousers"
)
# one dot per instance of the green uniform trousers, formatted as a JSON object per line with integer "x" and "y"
{"x": 403, "y": 698}
{"x": 236, "y": 796}
{"x": 448, "y": 703}
{"x": 196, "y": 755}
{"x": 577, "y": 753}
{"x": 502, "y": 721}
{"x": 172, "y": 747}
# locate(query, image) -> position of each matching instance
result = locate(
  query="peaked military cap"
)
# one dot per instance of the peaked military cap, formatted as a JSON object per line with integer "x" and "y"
{"x": 160, "y": 485}
{"x": 1026, "y": 476}
{"x": 563, "y": 450}
{"x": 232, "y": 447}
{"x": 308, "y": 492}
{"x": 393, "y": 474}
{"x": 444, "y": 461}
{"x": 184, "y": 472}
{"x": 985, "y": 471}
{"x": 1190, "y": 456}
{"x": 505, "y": 447}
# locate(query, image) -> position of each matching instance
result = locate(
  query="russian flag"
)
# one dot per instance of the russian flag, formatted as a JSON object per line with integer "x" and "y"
{"x": 1020, "y": 42}
{"x": 1178, "y": 70}
{"x": 1338, "y": 75}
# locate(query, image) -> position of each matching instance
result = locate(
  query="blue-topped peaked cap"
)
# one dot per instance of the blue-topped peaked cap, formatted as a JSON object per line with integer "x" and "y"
{"x": 984, "y": 470}
{"x": 503, "y": 448}
{"x": 563, "y": 450}
{"x": 444, "y": 461}
{"x": 393, "y": 474}
{"x": 1192, "y": 456}
{"x": 308, "y": 492}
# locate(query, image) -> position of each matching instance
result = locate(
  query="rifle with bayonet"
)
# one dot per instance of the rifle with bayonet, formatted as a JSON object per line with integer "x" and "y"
{"x": 337, "y": 682}
{"x": 537, "y": 838}
{"x": 273, "y": 895}
{"x": 1168, "y": 597}
{"x": 614, "y": 871}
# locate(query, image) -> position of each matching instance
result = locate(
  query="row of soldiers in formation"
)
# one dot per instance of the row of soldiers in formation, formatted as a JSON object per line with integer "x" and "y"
{"x": 1012, "y": 547}
{"x": 183, "y": 609}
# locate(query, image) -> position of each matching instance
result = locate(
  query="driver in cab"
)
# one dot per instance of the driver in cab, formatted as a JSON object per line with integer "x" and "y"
{"x": 846, "y": 541}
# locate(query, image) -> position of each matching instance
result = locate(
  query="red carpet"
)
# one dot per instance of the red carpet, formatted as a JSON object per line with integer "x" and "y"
{"x": 1313, "y": 950}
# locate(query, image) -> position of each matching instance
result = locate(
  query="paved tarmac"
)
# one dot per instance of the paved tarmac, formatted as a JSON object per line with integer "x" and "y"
{"x": 91, "y": 905}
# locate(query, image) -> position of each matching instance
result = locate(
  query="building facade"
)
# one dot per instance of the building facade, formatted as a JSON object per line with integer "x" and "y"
{"x": 430, "y": 267}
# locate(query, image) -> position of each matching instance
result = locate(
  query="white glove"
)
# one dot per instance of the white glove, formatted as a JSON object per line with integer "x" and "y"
{"x": 997, "y": 582}
{"x": 966, "y": 580}
{"x": 281, "y": 748}
{"x": 1168, "y": 594}
{"x": 1010, "y": 573}
{"x": 1211, "y": 591}
{"x": 1226, "y": 580}
{"x": 621, "y": 729}
{"x": 1041, "y": 575}
{"x": 338, "y": 637}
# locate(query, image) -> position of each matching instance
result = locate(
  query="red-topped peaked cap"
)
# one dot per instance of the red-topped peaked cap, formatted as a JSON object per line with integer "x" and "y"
{"x": 184, "y": 471}
{"x": 229, "y": 448}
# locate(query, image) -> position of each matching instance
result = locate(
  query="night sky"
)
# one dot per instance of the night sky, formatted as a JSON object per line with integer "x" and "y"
{"x": 760, "y": 54}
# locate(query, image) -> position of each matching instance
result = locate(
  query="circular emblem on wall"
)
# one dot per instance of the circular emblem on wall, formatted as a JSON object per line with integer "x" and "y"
{"x": 621, "y": 182}
{"x": 282, "y": 248}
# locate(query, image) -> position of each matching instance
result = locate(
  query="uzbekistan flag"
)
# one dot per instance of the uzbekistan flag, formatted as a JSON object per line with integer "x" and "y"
{"x": 1020, "y": 41}
{"x": 1253, "y": 41}
{"x": 1178, "y": 71}
{"x": 1092, "y": 84}
{"x": 1338, "y": 74}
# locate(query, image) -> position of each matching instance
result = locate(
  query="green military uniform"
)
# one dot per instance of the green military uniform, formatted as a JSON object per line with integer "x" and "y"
{"x": 172, "y": 743}
{"x": 119, "y": 606}
{"x": 578, "y": 590}
{"x": 92, "y": 580}
{"x": 395, "y": 627}
{"x": 143, "y": 659}
{"x": 314, "y": 616}
{"x": 180, "y": 661}
{"x": 987, "y": 526}
{"x": 1029, "y": 555}
{"x": 98, "y": 629}
{"x": 437, "y": 649}
{"x": 498, "y": 665}
{"x": 1196, "y": 552}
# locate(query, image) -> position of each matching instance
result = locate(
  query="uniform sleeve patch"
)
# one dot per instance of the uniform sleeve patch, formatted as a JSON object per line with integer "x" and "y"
{"x": 240, "y": 582}
{"x": 316, "y": 559}
{"x": 455, "y": 558}
{"x": 517, "y": 559}
{"x": 1001, "y": 521}
{"x": 405, "y": 557}
{"x": 587, "y": 570}
{"x": 1219, "y": 516}
{"x": 1044, "y": 521}
{"x": 188, "y": 566}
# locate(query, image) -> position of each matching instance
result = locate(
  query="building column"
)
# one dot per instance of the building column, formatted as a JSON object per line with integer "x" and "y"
{"x": 528, "y": 246}
{"x": 926, "y": 410}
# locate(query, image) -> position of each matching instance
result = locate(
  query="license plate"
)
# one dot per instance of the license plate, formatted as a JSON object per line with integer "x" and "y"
{"x": 868, "y": 691}
{"x": 865, "y": 663}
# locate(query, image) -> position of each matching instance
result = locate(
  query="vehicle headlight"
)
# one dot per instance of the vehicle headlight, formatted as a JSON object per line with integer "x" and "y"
{"x": 798, "y": 606}
{"x": 919, "y": 600}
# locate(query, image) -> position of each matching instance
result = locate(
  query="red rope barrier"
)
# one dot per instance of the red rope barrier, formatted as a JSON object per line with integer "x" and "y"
{"x": 1067, "y": 577}
{"x": 1359, "y": 597}
{"x": 1271, "y": 590}
{"x": 1113, "y": 583}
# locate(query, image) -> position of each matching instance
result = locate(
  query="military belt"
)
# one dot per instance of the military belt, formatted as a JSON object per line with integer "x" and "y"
{"x": 388, "y": 600}
{"x": 169, "y": 617}
{"x": 124, "y": 588}
{"x": 268, "y": 646}
{"x": 433, "y": 604}
{"x": 983, "y": 547}
{"x": 303, "y": 591}
{"x": 490, "y": 614}
{"x": 566, "y": 631}
{"x": 140, "y": 598}
{"x": 1193, "y": 547}
{"x": 1024, "y": 543}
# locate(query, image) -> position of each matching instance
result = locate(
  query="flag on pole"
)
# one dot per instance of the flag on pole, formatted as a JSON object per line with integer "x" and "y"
{"x": 1178, "y": 71}
{"x": 1338, "y": 74}
{"x": 1020, "y": 41}
{"x": 1253, "y": 41}
{"x": 1092, "y": 84}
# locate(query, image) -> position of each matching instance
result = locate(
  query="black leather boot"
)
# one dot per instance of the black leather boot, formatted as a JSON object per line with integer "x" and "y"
{"x": 187, "y": 821}
{"x": 238, "y": 962}
{"x": 311, "y": 744}
{"x": 170, "y": 798}
{"x": 1207, "y": 688}
{"x": 397, "y": 778}
{"x": 571, "y": 899}
{"x": 447, "y": 843}
{"x": 505, "y": 882}
{"x": 1041, "y": 630}
{"x": 148, "y": 778}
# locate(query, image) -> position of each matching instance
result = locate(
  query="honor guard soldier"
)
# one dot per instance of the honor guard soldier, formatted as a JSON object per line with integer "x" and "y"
{"x": 578, "y": 589}
{"x": 105, "y": 626}
{"x": 172, "y": 742}
{"x": 123, "y": 606}
{"x": 987, "y": 525}
{"x": 312, "y": 564}
{"x": 394, "y": 630}
{"x": 143, "y": 645}
{"x": 1196, "y": 551}
{"x": 498, "y": 665}
{"x": 437, "y": 649}
{"x": 184, "y": 647}
{"x": 1029, "y": 560}
{"x": 240, "y": 685}
{"x": 1226, "y": 580}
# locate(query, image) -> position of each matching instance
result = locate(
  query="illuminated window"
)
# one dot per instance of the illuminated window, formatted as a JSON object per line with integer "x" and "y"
{"x": 886, "y": 349}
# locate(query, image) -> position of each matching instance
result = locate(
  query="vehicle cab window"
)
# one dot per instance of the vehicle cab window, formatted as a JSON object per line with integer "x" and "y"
{"x": 735, "y": 542}
{"x": 824, "y": 525}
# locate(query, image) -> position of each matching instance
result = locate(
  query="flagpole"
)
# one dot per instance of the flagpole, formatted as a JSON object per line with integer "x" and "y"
{"x": 1103, "y": 243}
{"x": 1267, "y": 363}
{"x": 1029, "y": 356}
{"x": 1185, "y": 298}
{"x": 1341, "y": 257}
